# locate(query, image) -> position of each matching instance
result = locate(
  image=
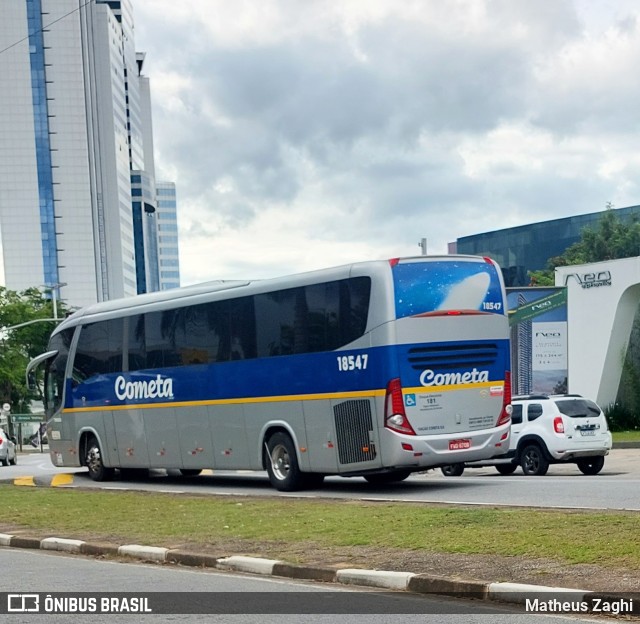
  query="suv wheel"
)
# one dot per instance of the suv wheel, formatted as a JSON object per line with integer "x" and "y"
{"x": 506, "y": 469}
{"x": 533, "y": 461}
{"x": 452, "y": 470}
{"x": 591, "y": 465}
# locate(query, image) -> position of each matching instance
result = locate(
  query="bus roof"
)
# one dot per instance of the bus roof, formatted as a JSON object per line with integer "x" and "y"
{"x": 197, "y": 291}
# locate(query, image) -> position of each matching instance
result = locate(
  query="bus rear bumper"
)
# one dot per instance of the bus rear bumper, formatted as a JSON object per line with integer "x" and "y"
{"x": 431, "y": 451}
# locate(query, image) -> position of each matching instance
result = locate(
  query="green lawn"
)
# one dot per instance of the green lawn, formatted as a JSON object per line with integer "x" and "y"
{"x": 626, "y": 436}
{"x": 606, "y": 538}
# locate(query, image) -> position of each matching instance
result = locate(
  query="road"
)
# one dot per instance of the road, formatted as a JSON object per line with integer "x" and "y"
{"x": 563, "y": 487}
{"x": 217, "y": 594}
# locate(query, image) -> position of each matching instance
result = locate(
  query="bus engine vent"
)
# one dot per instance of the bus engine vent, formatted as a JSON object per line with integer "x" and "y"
{"x": 453, "y": 356}
{"x": 354, "y": 430}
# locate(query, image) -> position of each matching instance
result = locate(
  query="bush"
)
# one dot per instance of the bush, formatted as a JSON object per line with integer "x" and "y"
{"x": 621, "y": 418}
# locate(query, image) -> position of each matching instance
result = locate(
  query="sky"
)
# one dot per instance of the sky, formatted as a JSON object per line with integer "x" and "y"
{"x": 304, "y": 134}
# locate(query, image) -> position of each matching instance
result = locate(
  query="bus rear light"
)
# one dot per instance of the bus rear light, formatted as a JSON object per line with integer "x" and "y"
{"x": 395, "y": 417}
{"x": 505, "y": 413}
{"x": 558, "y": 424}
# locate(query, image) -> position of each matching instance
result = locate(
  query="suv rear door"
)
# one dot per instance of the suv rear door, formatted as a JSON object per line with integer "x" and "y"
{"x": 584, "y": 421}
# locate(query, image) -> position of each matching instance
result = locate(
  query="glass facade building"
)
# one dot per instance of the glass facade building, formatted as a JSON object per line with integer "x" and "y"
{"x": 168, "y": 252}
{"x": 527, "y": 248}
{"x": 77, "y": 176}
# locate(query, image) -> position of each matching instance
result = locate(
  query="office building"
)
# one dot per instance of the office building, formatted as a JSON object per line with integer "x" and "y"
{"x": 168, "y": 252}
{"x": 75, "y": 122}
{"x": 525, "y": 248}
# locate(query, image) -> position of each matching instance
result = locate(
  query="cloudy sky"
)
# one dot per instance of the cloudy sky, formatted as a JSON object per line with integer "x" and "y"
{"x": 309, "y": 133}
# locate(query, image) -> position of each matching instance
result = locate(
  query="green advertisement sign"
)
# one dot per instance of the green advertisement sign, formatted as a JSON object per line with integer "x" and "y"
{"x": 534, "y": 308}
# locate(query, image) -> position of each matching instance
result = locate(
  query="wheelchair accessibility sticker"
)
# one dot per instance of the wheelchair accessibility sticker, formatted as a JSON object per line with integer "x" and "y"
{"x": 410, "y": 400}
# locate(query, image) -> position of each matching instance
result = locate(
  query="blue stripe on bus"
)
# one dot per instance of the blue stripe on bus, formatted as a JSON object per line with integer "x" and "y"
{"x": 333, "y": 374}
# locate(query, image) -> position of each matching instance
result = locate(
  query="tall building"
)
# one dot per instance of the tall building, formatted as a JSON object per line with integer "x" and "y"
{"x": 168, "y": 252}
{"x": 75, "y": 122}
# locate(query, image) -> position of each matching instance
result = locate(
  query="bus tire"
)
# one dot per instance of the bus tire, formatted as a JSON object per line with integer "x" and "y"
{"x": 282, "y": 464}
{"x": 93, "y": 461}
{"x": 382, "y": 478}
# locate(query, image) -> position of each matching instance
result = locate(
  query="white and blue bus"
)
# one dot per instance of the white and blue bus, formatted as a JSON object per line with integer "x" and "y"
{"x": 375, "y": 369}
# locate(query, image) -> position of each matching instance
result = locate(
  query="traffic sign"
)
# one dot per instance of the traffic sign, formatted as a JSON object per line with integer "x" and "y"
{"x": 24, "y": 418}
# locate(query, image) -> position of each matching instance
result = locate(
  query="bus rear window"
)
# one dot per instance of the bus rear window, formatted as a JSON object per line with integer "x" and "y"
{"x": 429, "y": 286}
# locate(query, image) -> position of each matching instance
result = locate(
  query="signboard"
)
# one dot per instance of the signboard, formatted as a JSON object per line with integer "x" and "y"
{"x": 529, "y": 310}
{"x": 538, "y": 320}
{"x": 549, "y": 346}
{"x": 24, "y": 418}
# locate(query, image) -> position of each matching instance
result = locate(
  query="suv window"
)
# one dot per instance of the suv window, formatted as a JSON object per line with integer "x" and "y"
{"x": 534, "y": 411}
{"x": 578, "y": 408}
{"x": 516, "y": 415}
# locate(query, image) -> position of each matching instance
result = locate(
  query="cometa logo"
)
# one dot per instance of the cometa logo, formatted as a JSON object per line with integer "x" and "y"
{"x": 431, "y": 378}
{"x": 157, "y": 388}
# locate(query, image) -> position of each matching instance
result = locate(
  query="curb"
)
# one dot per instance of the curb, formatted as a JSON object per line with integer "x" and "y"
{"x": 514, "y": 593}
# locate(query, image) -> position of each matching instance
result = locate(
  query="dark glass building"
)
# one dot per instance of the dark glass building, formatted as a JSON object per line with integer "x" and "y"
{"x": 528, "y": 247}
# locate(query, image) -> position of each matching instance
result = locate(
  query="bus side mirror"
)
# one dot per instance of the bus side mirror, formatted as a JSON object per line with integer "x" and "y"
{"x": 31, "y": 381}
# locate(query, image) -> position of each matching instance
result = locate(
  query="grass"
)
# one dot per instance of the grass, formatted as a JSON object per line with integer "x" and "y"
{"x": 626, "y": 436}
{"x": 605, "y": 538}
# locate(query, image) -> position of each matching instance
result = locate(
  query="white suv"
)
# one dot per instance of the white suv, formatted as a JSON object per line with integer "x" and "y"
{"x": 550, "y": 429}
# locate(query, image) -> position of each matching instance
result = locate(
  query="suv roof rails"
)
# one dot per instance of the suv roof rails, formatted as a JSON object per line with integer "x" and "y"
{"x": 530, "y": 397}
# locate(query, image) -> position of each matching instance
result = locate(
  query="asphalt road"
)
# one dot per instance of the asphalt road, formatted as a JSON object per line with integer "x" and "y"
{"x": 216, "y": 594}
{"x": 616, "y": 487}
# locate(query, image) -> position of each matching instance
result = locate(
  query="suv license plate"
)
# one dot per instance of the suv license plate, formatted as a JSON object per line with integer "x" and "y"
{"x": 589, "y": 432}
{"x": 458, "y": 445}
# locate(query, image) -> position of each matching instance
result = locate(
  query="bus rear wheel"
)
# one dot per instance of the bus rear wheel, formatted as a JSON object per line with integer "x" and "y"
{"x": 93, "y": 461}
{"x": 282, "y": 464}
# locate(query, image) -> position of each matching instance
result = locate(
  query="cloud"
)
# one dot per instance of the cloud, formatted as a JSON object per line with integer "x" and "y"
{"x": 303, "y": 135}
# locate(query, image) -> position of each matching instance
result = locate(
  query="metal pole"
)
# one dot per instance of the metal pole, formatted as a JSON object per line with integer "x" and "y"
{"x": 54, "y": 300}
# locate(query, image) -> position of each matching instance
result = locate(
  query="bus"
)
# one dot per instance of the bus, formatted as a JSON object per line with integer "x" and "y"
{"x": 375, "y": 369}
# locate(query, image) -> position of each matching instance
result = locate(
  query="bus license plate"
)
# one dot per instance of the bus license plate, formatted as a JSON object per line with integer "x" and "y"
{"x": 458, "y": 445}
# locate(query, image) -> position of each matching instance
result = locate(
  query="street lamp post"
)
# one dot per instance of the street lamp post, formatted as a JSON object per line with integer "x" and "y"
{"x": 55, "y": 290}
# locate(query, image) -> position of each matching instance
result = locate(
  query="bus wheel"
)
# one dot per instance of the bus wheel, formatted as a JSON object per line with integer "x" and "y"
{"x": 387, "y": 477}
{"x": 282, "y": 464}
{"x": 93, "y": 461}
{"x": 452, "y": 470}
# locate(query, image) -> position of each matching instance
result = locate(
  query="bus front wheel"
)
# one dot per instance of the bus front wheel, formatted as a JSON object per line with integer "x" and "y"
{"x": 93, "y": 461}
{"x": 282, "y": 464}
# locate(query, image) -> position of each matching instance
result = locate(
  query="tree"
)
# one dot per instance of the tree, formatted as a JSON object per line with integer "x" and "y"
{"x": 19, "y": 345}
{"x": 609, "y": 240}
